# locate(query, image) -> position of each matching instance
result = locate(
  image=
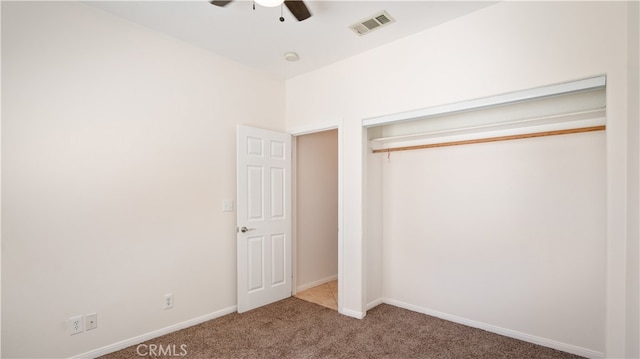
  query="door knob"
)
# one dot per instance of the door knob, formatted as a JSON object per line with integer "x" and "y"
{"x": 245, "y": 229}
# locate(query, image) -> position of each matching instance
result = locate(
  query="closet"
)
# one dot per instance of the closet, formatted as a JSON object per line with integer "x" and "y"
{"x": 494, "y": 210}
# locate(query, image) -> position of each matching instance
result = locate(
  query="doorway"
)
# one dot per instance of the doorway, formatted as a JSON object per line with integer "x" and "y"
{"x": 316, "y": 220}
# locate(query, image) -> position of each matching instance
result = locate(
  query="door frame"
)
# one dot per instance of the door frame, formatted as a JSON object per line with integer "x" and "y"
{"x": 294, "y": 233}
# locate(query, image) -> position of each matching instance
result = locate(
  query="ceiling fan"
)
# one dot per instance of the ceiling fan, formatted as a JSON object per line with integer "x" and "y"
{"x": 297, "y": 7}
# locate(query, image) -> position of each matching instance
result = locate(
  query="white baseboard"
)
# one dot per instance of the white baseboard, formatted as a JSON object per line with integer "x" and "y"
{"x": 154, "y": 334}
{"x": 316, "y": 283}
{"x": 352, "y": 313}
{"x": 588, "y": 353}
{"x": 375, "y": 303}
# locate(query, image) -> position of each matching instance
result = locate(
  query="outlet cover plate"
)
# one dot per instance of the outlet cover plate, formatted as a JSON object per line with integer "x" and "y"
{"x": 76, "y": 325}
{"x": 167, "y": 301}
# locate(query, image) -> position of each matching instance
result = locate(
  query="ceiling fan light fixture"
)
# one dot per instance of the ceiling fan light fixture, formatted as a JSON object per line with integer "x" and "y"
{"x": 269, "y": 3}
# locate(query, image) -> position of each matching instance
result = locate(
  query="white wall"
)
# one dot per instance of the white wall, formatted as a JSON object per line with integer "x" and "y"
{"x": 633, "y": 249}
{"x": 118, "y": 147}
{"x": 374, "y": 225}
{"x": 316, "y": 208}
{"x": 499, "y": 49}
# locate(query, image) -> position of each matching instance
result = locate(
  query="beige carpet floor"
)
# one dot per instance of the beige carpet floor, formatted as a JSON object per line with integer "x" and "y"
{"x": 294, "y": 328}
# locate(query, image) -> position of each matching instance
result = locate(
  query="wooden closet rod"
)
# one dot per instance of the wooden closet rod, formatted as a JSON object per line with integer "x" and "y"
{"x": 494, "y": 139}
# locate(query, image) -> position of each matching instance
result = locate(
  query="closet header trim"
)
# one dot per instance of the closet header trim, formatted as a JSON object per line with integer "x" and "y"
{"x": 503, "y": 99}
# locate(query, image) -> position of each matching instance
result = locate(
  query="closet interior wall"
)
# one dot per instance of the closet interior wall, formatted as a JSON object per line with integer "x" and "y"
{"x": 316, "y": 209}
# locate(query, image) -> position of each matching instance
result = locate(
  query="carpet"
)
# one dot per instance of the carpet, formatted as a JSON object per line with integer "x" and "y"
{"x": 294, "y": 328}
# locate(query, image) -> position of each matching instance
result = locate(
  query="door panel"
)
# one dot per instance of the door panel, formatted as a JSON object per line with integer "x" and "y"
{"x": 255, "y": 199}
{"x": 278, "y": 251}
{"x": 255, "y": 251}
{"x": 278, "y": 197}
{"x": 264, "y": 217}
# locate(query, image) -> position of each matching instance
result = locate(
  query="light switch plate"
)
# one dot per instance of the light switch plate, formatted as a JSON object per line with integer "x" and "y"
{"x": 227, "y": 205}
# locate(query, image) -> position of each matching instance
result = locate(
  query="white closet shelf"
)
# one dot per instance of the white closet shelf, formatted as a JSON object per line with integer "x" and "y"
{"x": 570, "y": 107}
{"x": 560, "y": 122}
{"x": 491, "y": 101}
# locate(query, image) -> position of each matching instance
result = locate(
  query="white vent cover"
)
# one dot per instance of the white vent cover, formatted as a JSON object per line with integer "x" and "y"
{"x": 371, "y": 23}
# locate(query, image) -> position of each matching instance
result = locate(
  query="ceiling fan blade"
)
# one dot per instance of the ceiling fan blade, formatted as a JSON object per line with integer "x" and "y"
{"x": 220, "y": 2}
{"x": 298, "y": 9}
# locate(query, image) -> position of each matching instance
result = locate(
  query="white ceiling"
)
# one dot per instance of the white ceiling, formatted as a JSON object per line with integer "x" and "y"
{"x": 258, "y": 39}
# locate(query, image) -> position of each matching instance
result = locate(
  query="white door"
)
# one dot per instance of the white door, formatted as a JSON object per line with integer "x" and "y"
{"x": 264, "y": 217}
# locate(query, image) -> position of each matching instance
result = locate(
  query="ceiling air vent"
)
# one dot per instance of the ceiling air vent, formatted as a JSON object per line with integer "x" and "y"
{"x": 371, "y": 23}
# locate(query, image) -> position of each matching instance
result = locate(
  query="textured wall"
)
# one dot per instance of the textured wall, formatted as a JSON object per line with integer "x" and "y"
{"x": 118, "y": 148}
{"x": 506, "y": 47}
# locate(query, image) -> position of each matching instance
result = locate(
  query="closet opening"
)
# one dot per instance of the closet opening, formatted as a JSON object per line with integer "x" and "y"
{"x": 493, "y": 212}
{"x": 316, "y": 222}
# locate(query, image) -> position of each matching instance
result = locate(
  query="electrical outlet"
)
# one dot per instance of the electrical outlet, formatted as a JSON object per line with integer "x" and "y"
{"x": 75, "y": 325}
{"x": 167, "y": 301}
{"x": 91, "y": 321}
